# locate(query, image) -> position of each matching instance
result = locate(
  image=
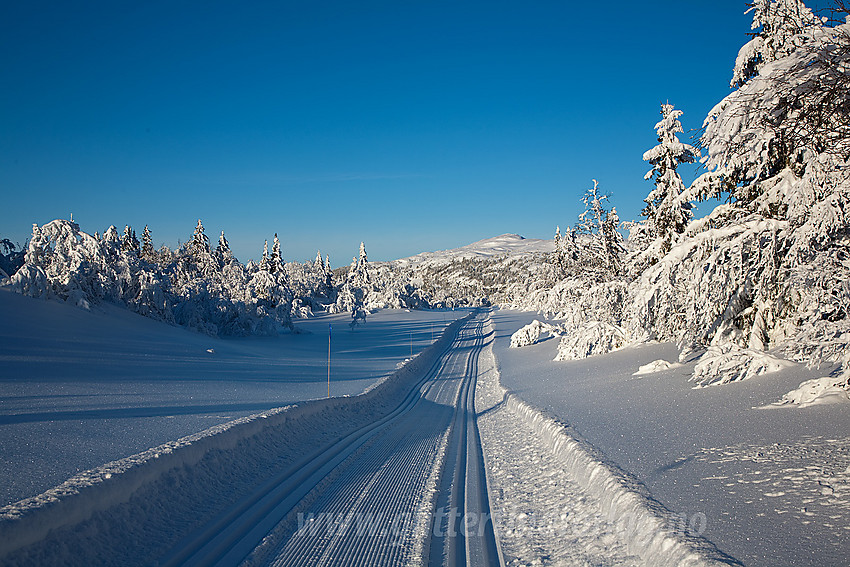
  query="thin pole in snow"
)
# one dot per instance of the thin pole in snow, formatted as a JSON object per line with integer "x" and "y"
{"x": 329, "y": 359}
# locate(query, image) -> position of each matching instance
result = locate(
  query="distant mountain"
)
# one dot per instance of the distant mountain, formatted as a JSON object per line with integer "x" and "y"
{"x": 504, "y": 245}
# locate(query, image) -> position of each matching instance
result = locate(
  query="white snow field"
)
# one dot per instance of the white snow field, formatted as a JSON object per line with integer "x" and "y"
{"x": 767, "y": 484}
{"x": 82, "y": 388}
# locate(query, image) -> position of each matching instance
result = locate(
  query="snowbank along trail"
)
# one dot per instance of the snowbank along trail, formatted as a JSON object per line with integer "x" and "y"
{"x": 556, "y": 501}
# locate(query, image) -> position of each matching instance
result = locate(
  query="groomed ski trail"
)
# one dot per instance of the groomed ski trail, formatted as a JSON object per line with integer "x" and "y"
{"x": 371, "y": 498}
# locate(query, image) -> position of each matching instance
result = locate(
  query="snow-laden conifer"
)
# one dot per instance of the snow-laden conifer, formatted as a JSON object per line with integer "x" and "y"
{"x": 129, "y": 242}
{"x": 147, "y": 252}
{"x": 667, "y": 212}
{"x": 780, "y": 26}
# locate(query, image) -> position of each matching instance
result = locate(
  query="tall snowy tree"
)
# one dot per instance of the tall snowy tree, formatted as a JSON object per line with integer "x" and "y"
{"x": 276, "y": 260}
{"x": 558, "y": 258}
{"x": 768, "y": 268}
{"x": 199, "y": 258}
{"x": 667, "y": 211}
{"x": 223, "y": 245}
{"x": 756, "y": 132}
{"x": 200, "y": 244}
{"x": 265, "y": 260}
{"x": 147, "y": 252}
{"x": 223, "y": 252}
{"x": 129, "y": 242}
{"x": 329, "y": 278}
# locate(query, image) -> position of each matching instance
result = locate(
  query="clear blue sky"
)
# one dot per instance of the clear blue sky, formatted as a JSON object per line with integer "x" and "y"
{"x": 409, "y": 125}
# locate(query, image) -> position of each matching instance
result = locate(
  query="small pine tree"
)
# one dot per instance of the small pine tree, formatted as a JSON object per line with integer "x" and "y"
{"x": 329, "y": 274}
{"x": 223, "y": 254}
{"x": 612, "y": 242}
{"x": 601, "y": 225}
{"x": 558, "y": 258}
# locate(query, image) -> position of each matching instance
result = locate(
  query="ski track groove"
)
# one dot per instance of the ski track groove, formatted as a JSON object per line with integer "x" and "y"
{"x": 203, "y": 546}
{"x": 388, "y": 479}
{"x": 350, "y": 496}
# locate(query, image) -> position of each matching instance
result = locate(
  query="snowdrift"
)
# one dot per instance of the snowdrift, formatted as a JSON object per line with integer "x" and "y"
{"x": 644, "y": 523}
{"x": 247, "y": 439}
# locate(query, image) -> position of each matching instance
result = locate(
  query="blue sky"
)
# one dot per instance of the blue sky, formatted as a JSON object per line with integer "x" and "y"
{"x": 409, "y": 125}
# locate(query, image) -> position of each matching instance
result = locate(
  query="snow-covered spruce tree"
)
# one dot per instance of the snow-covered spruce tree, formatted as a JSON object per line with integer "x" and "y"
{"x": 667, "y": 212}
{"x": 222, "y": 251}
{"x": 147, "y": 252}
{"x": 265, "y": 260}
{"x": 361, "y": 272}
{"x": 129, "y": 242}
{"x": 200, "y": 244}
{"x": 276, "y": 259}
{"x": 558, "y": 256}
{"x": 353, "y": 293}
{"x": 603, "y": 244}
{"x": 767, "y": 269}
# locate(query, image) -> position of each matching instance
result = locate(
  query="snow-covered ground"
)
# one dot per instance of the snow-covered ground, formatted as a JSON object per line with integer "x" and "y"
{"x": 81, "y": 388}
{"x": 504, "y": 245}
{"x": 766, "y": 485}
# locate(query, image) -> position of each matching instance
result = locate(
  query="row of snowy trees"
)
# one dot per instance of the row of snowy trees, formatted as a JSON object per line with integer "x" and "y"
{"x": 197, "y": 286}
{"x": 200, "y": 286}
{"x": 767, "y": 270}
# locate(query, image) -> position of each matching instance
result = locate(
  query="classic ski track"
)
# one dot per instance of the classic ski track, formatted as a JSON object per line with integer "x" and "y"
{"x": 388, "y": 479}
{"x": 380, "y": 469}
{"x": 468, "y": 491}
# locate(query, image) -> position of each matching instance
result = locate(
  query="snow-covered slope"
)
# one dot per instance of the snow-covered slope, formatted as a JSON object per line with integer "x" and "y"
{"x": 81, "y": 388}
{"x": 504, "y": 245}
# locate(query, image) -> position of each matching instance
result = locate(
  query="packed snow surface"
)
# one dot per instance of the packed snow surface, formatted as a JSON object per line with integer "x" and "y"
{"x": 773, "y": 485}
{"x": 504, "y": 245}
{"x": 82, "y": 388}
